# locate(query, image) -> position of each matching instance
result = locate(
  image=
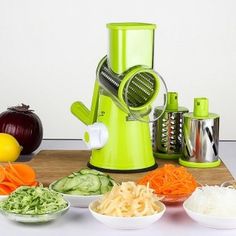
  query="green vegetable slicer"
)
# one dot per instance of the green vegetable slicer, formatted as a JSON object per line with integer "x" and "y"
{"x": 126, "y": 86}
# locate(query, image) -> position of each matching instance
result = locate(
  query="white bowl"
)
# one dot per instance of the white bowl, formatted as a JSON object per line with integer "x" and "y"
{"x": 231, "y": 184}
{"x": 126, "y": 222}
{"x": 77, "y": 200}
{"x": 35, "y": 218}
{"x": 215, "y": 222}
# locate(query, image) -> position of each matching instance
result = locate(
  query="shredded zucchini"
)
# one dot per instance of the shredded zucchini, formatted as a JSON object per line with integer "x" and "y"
{"x": 33, "y": 201}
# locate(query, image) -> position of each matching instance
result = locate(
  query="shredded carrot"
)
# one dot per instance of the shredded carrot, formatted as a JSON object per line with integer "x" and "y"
{"x": 13, "y": 176}
{"x": 14, "y": 179}
{"x": 170, "y": 180}
{"x": 12, "y": 170}
{"x": 4, "y": 190}
{"x": 35, "y": 183}
{"x": 10, "y": 185}
{"x": 2, "y": 174}
{"x": 24, "y": 172}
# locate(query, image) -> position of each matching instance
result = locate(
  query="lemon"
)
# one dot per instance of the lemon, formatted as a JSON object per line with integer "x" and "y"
{"x": 9, "y": 148}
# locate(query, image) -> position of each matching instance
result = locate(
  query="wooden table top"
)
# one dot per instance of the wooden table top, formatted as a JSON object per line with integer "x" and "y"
{"x": 51, "y": 165}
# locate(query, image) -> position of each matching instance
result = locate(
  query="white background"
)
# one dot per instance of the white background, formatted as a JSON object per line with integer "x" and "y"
{"x": 49, "y": 50}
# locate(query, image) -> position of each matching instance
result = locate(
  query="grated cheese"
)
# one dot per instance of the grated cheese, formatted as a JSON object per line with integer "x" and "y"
{"x": 129, "y": 200}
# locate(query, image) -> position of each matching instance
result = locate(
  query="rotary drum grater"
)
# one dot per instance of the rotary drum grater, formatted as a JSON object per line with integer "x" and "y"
{"x": 168, "y": 129}
{"x": 125, "y": 87}
{"x": 201, "y": 137}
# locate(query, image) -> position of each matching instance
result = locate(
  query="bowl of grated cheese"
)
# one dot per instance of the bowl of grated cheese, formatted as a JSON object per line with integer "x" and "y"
{"x": 128, "y": 206}
{"x": 213, "y": 206}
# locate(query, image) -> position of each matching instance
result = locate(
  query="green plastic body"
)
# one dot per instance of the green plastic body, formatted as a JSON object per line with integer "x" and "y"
{"x": 167, "y": 156}
{"x": 129, "y": 146}
{"x": 130, "y": 44}
{"x": 199, "y": 164}
{"x": 79, "y": 110}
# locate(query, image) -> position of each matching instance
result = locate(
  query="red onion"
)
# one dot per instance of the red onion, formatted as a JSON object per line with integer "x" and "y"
{"x": 24, "y": 125}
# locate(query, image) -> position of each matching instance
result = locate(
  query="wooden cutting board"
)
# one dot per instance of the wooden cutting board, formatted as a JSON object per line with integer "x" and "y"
{"x": 51, "y": 165}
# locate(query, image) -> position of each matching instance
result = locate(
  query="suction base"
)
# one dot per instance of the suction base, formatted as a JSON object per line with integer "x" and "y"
{"x": 167, "y": 156}
{"x": 122, "y": 171}
{"x": 198, "y": 164}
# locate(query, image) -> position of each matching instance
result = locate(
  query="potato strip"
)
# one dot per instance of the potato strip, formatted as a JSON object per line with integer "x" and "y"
{"x": 129, "y": 200}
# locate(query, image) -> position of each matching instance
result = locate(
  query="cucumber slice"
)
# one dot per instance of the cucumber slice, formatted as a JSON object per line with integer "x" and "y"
{"x": 104, "y": 184}
{"x": 72, "y": 183}
{"x": 77, "y": 173}
{"x": 112, "y": 182}
{"x": 73, "y": 175}
{"x": 88, "y": 183}
{"x": 93, "y": 172}
{"x": 59, "y": 185}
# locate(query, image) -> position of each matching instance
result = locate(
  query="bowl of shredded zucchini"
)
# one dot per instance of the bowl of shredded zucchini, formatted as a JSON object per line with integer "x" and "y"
{"x": 82, "y": 187}
{"x": 33, "y": 205}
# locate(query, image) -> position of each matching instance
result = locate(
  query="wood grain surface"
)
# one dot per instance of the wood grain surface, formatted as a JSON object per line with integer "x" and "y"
{"x": 51, "y": 165}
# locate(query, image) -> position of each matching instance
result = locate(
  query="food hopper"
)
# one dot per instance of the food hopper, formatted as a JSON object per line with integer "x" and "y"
{"x": 126, "y": 85}
{"x": 201, "y": 137}
{"x": 168, "y": 129}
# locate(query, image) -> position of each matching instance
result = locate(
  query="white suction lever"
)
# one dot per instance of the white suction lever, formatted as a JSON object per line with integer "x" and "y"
{"x": 96, "y": 135}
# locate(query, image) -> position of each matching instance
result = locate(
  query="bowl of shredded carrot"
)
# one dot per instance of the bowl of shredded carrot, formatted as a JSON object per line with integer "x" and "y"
{"x": 173, "y": 183}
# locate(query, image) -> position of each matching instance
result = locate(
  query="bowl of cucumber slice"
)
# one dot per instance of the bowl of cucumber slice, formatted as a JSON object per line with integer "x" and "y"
{"x": 82, "y": 187}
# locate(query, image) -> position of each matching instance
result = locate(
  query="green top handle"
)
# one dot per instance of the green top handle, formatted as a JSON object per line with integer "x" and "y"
{"x": 200, "y": 107}
{"x": 201, "y": 110}
{"x": 172, "y": 101}
{"x": 130, "y": 44}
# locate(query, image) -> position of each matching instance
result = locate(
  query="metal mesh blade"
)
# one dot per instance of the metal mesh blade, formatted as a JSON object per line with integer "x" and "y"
{"x": 138, "y": 90}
